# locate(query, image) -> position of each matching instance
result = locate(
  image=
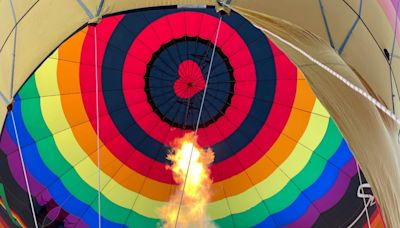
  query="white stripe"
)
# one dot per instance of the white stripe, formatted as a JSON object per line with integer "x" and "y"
{"x": 97, "y": 129}
{"x": 24, "y": 170}
{"x": 199, "y": 117}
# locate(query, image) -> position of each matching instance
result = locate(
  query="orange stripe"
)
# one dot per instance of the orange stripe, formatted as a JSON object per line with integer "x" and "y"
{"x": 15, "y": 215}
{"x": 278, "y": 153}
{"x": 68, "y": 79}
{"x": 376, "y": 219}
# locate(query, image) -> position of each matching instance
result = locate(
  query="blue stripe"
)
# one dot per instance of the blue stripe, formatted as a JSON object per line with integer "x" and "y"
{"x": 317, "y": 190}
{"x": 39, "y": 170}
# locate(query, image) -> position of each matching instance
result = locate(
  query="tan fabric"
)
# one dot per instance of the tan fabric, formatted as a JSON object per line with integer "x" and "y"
{"x": 44, "y": 24}
{"x": 372, "y": 136}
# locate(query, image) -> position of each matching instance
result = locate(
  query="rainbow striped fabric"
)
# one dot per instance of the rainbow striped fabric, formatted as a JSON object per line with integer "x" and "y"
{"x": 280, "y": 160}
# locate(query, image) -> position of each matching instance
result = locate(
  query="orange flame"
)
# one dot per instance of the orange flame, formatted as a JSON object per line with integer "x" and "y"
{"x": 196, "y": 193}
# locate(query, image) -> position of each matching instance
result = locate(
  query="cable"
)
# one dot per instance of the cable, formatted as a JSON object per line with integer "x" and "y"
{"x": 357, "y": 89}
{"x": 391, "y": 56}
{"x": 97, "y": 128}
{"x": 198, "y": 119}
{"x": 13, "y": 51}
{"x": 24, "y": 170}
{"x": 338, "y": 76}
{"x": 362, "y": 191}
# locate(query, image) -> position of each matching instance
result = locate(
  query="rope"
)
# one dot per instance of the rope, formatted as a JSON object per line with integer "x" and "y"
{"x": 97, "y": 128}
{"x": 353, "y": 27}
{"x": 6, "y": 101}
{"x": 328, "y": 31}
{"x": 338, "y": 76}
{"x": 84, "y": 7}
{"x": 362, "y": 191}
{"x": 391, "y": 56}
{"x": 100, "y": 8}
{"x": 24, "y": 170}
{"x": 375, "y": 41}
{"x": 13, "y": 51}
{"x": 198, "y": 118}
{"x": 357, "y": 89}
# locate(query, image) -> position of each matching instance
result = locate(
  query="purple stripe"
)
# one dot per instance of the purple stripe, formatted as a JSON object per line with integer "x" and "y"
{"x": 338, "y": 189}
{"x": 330, "y": 198}
{"x": 6, "y": 143}
{"x": 14, "y": 162}
{"x": 74, "y": 222}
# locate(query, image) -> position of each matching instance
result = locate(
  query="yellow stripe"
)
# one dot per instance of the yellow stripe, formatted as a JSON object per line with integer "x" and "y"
{"x": 297, "y": 160}
{"x": 73, "y": 153}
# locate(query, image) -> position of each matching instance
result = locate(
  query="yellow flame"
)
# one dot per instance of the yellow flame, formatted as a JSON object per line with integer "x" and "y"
{"x": 196, "y": 192}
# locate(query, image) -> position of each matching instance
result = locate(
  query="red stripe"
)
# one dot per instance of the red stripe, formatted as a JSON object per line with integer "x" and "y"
{"x": 230, "y": 43}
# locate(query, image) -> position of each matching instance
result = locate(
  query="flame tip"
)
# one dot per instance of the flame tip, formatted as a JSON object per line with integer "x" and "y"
{"x": 190, "y": 168}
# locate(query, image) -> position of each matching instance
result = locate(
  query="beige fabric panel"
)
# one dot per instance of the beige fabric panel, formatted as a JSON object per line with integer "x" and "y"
{"x": 3, "y": 113}
{"x": 361, "y": 52}
{"x": 7, "y": 20}
{"x": 38, "y": 33}
{"x": 45, "y": 26}
{"x": 112, "y": 6}
{"x": 5, "y": 69}
{"x": 372, "y": 136}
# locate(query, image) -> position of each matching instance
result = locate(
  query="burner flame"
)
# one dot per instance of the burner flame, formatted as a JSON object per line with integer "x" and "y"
{"x": 195, "y": 194}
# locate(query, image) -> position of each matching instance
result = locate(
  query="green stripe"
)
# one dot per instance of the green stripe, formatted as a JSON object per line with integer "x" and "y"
{"x": 7, "y": 207}
{"x": 35, "y": 123}
{"x": 311, "y": 172}
{"x": 72, "y": 181}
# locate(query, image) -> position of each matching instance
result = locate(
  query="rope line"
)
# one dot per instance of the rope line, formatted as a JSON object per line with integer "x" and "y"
{"x": 198, "y": 119}
{"x": 362, "y": 191}
{"x": 328, "y": 31}
{"x": 84, "y": 7}
{"x": 24, "y": 170}
{"x": 357, "y": 89}
{"x": 13, "y": 28}
{"x": 353, "y": 27}
{"x": 99, "y": 8}
{"x": 376, "y": 42}
{"x": 13, "y": 51}
{"x": 97, "y": 128}
{"x": 391, "y": 56}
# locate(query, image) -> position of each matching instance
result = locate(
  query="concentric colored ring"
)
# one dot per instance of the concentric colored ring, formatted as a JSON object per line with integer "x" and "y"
{"x": 142, "y": 127}
{"x": 215, "y": 131}
{"x": 179, "y": 88}
{"x": 281, "y": 159}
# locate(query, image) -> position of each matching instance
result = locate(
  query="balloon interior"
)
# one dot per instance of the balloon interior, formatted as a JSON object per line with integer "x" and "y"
{"x": 105, "y": 127}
